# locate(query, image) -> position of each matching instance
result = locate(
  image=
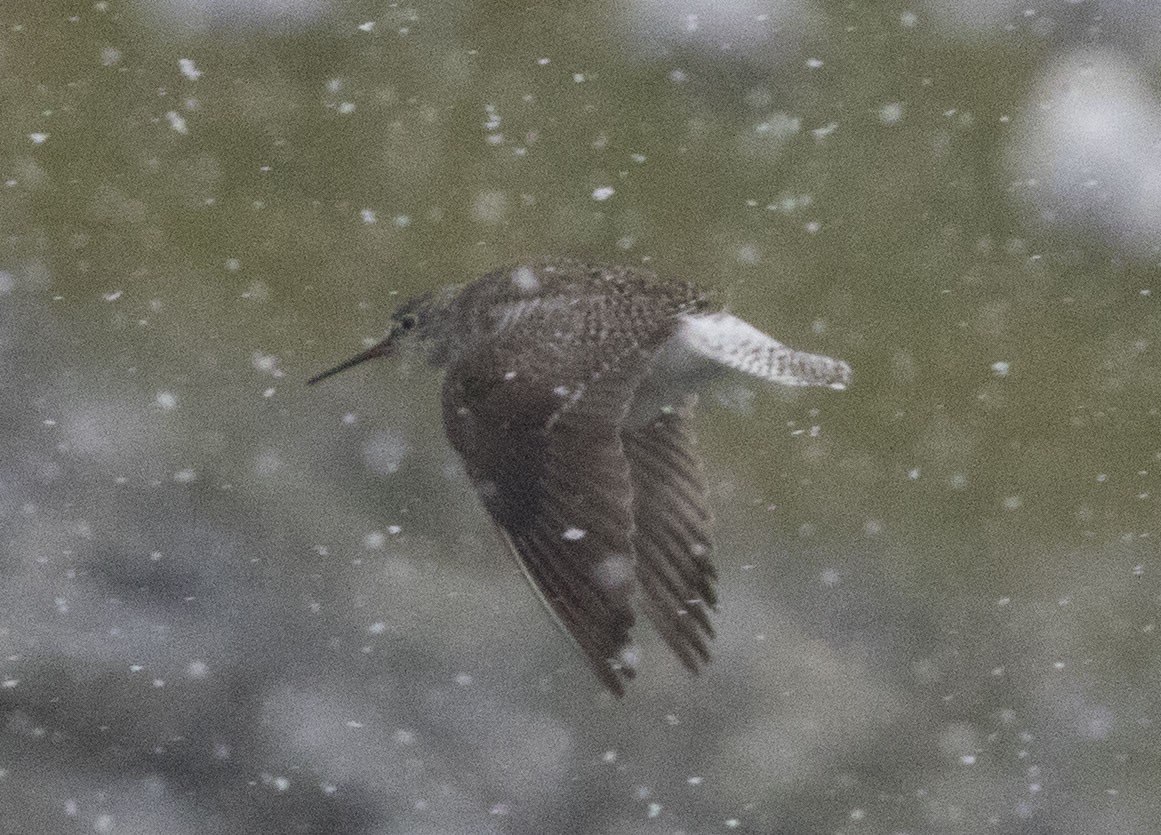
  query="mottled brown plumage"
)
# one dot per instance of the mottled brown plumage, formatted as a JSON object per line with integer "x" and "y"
{"x": 568, "y": 393}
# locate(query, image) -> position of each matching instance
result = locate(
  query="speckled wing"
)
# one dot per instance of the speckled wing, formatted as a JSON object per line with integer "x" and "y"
{"x": 539, "y": 433}
{"x": 672, "y": 539}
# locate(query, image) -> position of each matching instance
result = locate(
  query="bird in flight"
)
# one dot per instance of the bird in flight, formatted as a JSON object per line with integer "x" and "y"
{"x": 568, "y": 392}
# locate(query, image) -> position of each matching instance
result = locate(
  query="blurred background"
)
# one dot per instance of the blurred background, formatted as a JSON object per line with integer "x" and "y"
{"x": 229, "y": 603}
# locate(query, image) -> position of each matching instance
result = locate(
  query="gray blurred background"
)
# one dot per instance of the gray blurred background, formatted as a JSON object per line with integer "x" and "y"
{"x": 229, "y": 603}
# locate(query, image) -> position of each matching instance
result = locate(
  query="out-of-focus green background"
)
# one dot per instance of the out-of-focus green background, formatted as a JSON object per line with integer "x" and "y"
{"x": 229, "y": 603}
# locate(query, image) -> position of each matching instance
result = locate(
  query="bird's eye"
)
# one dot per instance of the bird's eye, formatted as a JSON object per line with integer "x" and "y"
{"x": 407, "y": 321}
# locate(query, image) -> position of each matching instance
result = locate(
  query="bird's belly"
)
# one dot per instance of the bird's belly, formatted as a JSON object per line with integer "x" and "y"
{"x": 675, "y": 372}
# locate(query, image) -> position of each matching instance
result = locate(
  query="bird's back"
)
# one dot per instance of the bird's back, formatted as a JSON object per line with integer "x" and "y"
{"x": 592, "y": 312}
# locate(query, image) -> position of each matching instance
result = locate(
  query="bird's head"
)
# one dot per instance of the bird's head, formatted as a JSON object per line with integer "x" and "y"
{"x": 409, "y": 323}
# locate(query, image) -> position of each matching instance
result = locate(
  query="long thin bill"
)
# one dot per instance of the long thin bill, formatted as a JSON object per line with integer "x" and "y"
{"x": 378, "y": 350}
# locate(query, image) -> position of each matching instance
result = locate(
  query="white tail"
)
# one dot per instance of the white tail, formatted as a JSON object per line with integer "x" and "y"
{"x": 728, "y": 340}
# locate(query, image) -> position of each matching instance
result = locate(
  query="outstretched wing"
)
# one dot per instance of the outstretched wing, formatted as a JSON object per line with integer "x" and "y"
{"x": 672, "y": 538}
{"x": 542, "y": 446}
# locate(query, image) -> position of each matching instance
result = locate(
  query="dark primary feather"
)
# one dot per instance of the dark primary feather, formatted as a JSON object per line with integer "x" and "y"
{"x": 672, "y": 538}
{"x": 535, "y": 404}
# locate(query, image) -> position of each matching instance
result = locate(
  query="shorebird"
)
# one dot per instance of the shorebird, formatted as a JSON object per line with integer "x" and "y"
{"x": 568, "y": 393}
